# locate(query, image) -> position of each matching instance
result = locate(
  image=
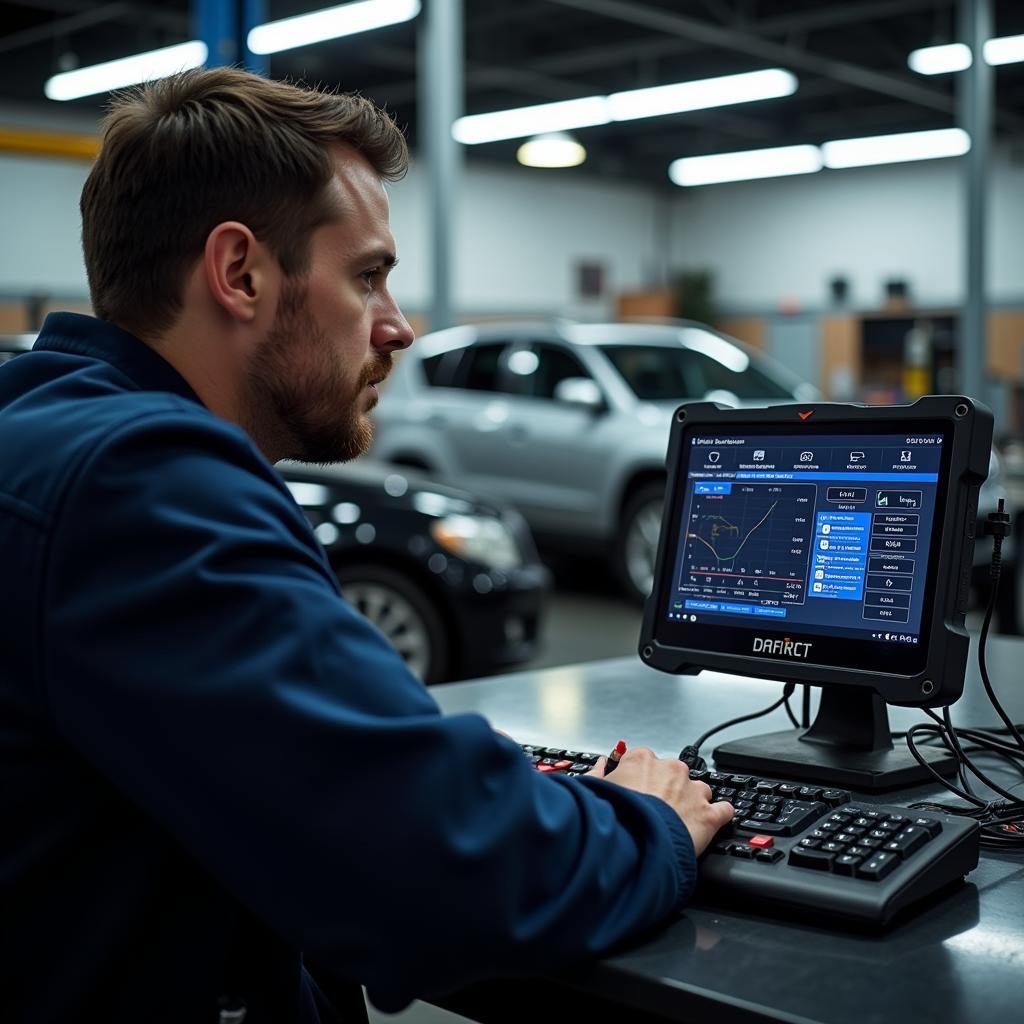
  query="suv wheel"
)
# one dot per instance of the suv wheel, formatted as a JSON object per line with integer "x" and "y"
{"x": 400, "y": 609}
{"x": 636, "y": 545}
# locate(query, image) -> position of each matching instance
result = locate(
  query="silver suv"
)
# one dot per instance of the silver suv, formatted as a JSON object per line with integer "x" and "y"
{"x": 568, "y": 421}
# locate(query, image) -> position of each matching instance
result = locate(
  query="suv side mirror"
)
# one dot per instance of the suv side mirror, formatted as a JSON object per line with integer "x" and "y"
{"x": 580, "y": 391}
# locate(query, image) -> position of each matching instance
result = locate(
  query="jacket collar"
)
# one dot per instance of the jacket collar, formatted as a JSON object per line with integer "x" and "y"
{"x": 77, "y": 334}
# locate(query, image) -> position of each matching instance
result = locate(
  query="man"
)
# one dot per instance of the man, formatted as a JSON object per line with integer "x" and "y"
{"x": 210, "y": 765}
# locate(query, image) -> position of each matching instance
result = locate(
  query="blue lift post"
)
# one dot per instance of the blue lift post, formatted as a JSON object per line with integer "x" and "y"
{"x": 224, "y": 26}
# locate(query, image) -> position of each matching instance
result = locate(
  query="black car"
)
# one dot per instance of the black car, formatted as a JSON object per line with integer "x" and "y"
{"x": 452, "y": 580}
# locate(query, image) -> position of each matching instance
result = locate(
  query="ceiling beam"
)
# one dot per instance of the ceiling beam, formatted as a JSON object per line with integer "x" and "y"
{"x": 765, "y": 49}
{"x": 836, "y": 15}
{"x": 88, "y": 16}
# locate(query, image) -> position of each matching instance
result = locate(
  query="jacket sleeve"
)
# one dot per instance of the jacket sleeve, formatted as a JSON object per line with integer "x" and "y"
{"x": 199, "y": 654}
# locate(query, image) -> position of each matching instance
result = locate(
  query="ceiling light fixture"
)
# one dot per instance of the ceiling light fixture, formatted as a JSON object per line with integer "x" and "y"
{"x": 556, "y": 149}
{"x": 745, "y": 166}
{"x": 330, "y": 23}
{"x": 700, "y": 95}
{"x": 895, "y": 149}
{"x": 1005, "y": 50}
{"x": 623, "y": 106}
{"x": 117, "y": 74}
{"x": 941, "y": 60}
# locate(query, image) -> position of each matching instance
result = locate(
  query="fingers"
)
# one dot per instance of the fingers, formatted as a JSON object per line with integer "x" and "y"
{"x": 598, "y": 771}
{"x": 723, "y": 812}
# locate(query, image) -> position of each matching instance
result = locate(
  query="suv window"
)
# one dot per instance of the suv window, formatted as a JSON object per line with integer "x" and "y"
{"x": 656, "y": 372}
{"x": 482, "y": 368}
{"x": 554, "y": 364}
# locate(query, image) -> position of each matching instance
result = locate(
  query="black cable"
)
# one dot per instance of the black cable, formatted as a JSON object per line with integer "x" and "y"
{"x": 787, "y": 692}
{"x": 1001, "y": 821}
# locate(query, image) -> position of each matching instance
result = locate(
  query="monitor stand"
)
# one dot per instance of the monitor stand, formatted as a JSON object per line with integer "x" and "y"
{"x": 848, "y": 744}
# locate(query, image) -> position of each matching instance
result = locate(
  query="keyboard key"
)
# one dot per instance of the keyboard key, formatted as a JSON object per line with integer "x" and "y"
{"x": 809, "y": 843}
{"x": 580, "y": 767}
{"x": 834, "y": 847}
{"x": 908, "y": 841}
{"x": 876, "y": 867}
{"x": 767, "y": 787}
{"x": 545, "y": 767}
{"x": 846, "y": 864}
{"x": 571, "y": 755}
{"x": 769, "y": 856}
{"x": 835, "y": 797}
{"x": 787, "y": 789}
{"x": 560, "y": 765}
{"x": 742, "y": 781}
{"x": 809, "y": 792}
{"x": 534, "y": 759}
{"x": 764, "y": 827}
{"x": 743, "y": 852}
{"x": 801, "y": 857}
{"x": 858, "y": 851}
{"x": 871, "y": 844}
{"x": 761, "y": 842}
{"x": 555, "y": 752}
{"x": 930, "y": 825}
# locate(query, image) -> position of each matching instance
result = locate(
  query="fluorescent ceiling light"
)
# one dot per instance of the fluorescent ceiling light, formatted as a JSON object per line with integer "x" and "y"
{"x": 710, "y": 92}
{"x": 745, "y": 166}
{"x": 1006, "y": 50}
{"x": 117, "y": 74}
{"x": 940, "y": 60}
{"x": 894, "y": 149}
{"x": 556, "y": 149}
{"x": 330, "y": 23}
{"x": 623, "y": 106}
{"x": 544, "y": 117}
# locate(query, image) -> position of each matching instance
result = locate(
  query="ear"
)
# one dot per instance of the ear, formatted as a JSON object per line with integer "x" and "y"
{"x": 238, "y": 269}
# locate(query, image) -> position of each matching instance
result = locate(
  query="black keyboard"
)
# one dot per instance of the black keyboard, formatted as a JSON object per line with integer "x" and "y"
{"x": 816, "y": 848}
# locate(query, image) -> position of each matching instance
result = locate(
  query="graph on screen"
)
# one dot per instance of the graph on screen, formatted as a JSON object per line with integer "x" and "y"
{"x": 749, "y": 540}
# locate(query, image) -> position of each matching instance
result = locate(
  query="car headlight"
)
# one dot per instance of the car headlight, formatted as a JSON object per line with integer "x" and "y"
{"x": 481, "y": 539}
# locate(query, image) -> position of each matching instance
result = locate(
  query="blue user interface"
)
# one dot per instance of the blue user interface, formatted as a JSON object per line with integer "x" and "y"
{"x": 827, "y": 534}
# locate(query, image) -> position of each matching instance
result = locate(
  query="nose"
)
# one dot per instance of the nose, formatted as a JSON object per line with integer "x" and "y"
{"x": 392, "y": 331}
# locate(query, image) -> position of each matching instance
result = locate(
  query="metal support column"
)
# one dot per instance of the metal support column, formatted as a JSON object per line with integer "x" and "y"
{"x": 224, "y": 26}
{"x": 439, "y": 103}
{"x": 976, "y": 106}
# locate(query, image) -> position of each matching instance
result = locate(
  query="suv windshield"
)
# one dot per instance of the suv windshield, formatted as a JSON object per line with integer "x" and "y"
{"x": 658, "y": 372}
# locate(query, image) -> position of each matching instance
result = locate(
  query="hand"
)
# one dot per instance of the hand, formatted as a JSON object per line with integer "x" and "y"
{"x": 642, "y": 770}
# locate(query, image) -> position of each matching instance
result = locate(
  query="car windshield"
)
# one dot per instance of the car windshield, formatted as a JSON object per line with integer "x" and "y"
{"x": 660, "y": 372}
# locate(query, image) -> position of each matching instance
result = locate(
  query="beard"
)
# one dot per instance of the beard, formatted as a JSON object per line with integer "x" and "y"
{"x": 302, "y": 401}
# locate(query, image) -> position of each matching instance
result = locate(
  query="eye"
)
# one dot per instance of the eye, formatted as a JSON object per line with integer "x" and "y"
{"x": 371, "y": 276}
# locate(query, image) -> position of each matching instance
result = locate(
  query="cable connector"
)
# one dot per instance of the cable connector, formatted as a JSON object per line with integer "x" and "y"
{"x": 997, "y": 525}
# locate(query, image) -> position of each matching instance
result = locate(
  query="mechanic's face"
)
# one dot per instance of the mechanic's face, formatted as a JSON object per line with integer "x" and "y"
{"x": 316, "y": 373}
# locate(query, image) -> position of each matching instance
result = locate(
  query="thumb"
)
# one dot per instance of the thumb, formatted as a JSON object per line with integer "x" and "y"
{"x": 598, "y": 770}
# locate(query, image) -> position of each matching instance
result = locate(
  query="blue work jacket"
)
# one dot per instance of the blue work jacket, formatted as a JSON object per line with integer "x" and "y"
{"x": 217, "y": 780}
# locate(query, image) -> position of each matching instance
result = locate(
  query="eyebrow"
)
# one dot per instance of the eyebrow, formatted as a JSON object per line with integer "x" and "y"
{"x": 385, "y": 257}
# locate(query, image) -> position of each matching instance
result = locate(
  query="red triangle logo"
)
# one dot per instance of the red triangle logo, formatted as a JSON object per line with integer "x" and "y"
{"x": 805, "y": 415}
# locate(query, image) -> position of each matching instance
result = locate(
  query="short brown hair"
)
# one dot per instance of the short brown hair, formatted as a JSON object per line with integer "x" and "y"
{"x": 186, "y": 153}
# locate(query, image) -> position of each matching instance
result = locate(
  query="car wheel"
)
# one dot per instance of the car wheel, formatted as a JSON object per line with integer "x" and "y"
{"x": 401, "y": 610}
{"x": 636, "y": 545}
